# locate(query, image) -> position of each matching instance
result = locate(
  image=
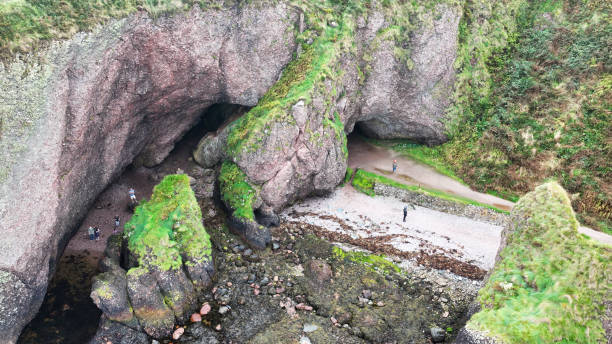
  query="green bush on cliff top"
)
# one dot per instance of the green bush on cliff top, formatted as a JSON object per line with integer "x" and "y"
{"x": 168, "y": 226}
{"x": 550, "y": 283}
{"x": 24, "y": 24}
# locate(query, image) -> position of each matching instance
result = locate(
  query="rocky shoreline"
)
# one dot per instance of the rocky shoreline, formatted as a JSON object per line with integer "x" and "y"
{"x": 301, "y": 290}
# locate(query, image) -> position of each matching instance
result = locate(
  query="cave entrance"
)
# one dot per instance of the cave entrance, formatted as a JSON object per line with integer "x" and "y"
{"x": 67, "y": 314}
{"x": 213, "y": 119}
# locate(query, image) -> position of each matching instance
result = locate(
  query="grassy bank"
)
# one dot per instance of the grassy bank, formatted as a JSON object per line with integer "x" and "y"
{"x": 26, "y": 25}
{"x": 168, "y": 227}
{"x": 550, "y": 283}
{"x": 546, "y": 112}
{"x": 365, "y": 181}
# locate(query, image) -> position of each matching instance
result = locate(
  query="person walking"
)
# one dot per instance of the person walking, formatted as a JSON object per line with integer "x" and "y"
{"x": 91, "y": 233}
{"x": 117, "y": 224}
{"x": 132, "y": 194}
{"x": 97, "y": 233}
{"x": 394, "y": 165}
{"x": 406, "y": 210}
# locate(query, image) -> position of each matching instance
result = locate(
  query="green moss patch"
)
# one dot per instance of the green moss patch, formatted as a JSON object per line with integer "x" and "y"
{"x": 168, "y": 226}
{"x": 365, "y": 181}
{"x": 376, "y": 263}
{"x": 550, "y": 283}
{"x": 236, "y": 191}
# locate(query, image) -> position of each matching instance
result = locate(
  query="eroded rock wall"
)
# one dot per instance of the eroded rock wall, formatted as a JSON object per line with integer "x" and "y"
{"x": 293, "y": 144}
{"x": 76, "y": 115}
{"x": 90, "y": 106}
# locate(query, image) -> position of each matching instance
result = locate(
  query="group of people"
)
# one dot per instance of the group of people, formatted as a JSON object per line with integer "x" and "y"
{"x": 94, "y": 231}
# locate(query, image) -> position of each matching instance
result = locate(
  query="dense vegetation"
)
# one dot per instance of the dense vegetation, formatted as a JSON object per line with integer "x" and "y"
{"x": 168, "y": 227}
{"x": 539, "y": 107}
{"x": 26, "y": 24}
{"x": 551, "y": 282}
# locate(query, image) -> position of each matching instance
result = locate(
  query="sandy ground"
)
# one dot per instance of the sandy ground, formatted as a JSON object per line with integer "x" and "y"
{"x": 360, "y": 216}
{"x": 380, "y": 160}
{"x": 115, "y": 199}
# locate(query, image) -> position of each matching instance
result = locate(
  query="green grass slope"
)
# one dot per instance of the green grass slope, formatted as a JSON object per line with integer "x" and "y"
{"x": 168, "y": 226}
{"x": 534, "y": 101}
{"x": 550, "y": 282}
{"x": 25, "y": 25}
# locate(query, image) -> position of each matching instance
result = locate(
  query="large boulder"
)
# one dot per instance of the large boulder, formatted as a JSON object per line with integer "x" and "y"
{"x": 76, "y": 114}
{"x": 549, "y": 282}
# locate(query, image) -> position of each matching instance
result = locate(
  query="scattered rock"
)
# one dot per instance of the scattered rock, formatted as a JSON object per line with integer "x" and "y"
{"x": 178, "y": 333}
{"x": 310, "y": 328}
{"x": 205, "y": 309}
{"x": 224, "y": 309}
{"x": 437, "y": 334}
{"x": 320, "y": 271}
{"x": 195, "y": 317}
{"x": 305, "y": 340}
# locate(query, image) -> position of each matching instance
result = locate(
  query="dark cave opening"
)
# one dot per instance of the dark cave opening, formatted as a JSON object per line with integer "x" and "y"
{"x": 67, "y": 314}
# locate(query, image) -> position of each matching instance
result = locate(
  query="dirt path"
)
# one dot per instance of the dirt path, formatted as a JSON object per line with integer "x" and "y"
{"x": 379, "y": 160}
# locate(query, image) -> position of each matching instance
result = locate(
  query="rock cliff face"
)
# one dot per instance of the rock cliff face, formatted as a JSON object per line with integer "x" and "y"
{"x": 96, "y": 103}
{"x": 293, "y": 143}
{"x": 74, "y": 118}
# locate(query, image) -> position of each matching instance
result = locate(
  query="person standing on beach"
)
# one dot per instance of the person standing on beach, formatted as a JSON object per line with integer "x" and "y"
{"x": 394, "y": 165}
{"x": 406, "y": 210}
{"x": 97, "y": 233}
{"x": 132, "y": 194}
{"x": 117, "y": 224}
{"x": 91, "y": 233}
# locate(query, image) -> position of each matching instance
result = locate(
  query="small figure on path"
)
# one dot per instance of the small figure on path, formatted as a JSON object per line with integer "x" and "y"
{"x": 406, "y": 210}
{"x": 97, "y": 233}
{"x": 91, "y": 232}
{"x": 394, "y": 165}
{"x": 117, "y": 223}
{"x": 132, "y": 194}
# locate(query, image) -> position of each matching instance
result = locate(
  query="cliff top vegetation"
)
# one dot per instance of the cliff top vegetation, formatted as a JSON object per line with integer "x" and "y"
{"x": 550, "y": 282}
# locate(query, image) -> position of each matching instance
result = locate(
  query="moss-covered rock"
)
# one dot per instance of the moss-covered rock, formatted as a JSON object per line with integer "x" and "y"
{"x": 241, "y": 198}
{"x": 549, "y": 283}
{"x": 173, "y": 258}
{"x": 109, "y": 293}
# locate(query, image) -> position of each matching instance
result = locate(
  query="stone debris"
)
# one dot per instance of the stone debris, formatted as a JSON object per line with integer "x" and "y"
{"x": 176, "y": 335}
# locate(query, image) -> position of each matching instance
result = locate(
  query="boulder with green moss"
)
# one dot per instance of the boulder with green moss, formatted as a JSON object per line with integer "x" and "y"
{"x": 172, "y": 262}
{"x": 109, "y": 293}
{"x": 549, "y": 283}
{"x": 241, "y": 198}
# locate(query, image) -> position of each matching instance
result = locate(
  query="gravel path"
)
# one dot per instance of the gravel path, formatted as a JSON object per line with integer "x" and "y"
{"x": 360, "y": 216}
